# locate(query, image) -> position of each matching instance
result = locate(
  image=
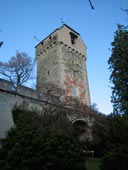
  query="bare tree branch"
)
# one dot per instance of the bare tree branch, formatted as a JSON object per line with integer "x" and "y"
{"x": 1, "y": 43}
{"x": 91, "y": 4}
{"x": 18, "y": 69}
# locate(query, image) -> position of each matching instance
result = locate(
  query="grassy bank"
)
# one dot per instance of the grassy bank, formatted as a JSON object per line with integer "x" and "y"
{"x": 93, "y": 163}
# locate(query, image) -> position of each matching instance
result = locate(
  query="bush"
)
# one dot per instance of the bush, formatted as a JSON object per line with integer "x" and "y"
{"x": 24, "y": 149}
{"x": 116, "y": 159}
{"x": 116, "y": 155}
{"x": 62, "y": 153}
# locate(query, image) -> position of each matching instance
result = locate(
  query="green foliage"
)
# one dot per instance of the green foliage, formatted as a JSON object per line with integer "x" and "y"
{"x": 21, "y": 149}
{"x": 118, "y": 65}
{"x": 63, "y": 153}
{"x": 116, "y": 154}
{"x": 45, "y": 125}
{"x": 118, "y": 126}
{"x": 117, "y": 159}
{"x": 24, "y": 148}
{"x": 100, "y": 134}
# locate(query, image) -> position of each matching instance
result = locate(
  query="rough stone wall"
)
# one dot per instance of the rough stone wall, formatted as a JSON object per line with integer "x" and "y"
{"x": 48, "y": 66}
{"x": 7, "y": 101}
{"x": 8, "y": 98}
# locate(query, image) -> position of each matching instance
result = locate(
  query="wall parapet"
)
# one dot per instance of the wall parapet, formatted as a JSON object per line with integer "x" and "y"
{"x": 21, "y": 90}
{"x": 5, "y": 85}
{"x": 9, "y": 97}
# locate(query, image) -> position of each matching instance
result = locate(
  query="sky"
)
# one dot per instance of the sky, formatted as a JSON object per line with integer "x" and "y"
{"x": 22, "y": 20}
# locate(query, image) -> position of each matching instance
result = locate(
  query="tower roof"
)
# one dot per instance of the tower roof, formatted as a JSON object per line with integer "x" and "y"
{"x": 64, "y": 25}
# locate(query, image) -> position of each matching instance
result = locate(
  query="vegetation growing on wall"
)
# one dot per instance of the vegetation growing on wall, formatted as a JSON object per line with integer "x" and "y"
{"x": 26, "y": 147}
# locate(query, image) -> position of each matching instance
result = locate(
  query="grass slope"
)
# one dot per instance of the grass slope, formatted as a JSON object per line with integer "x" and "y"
{"x": 93, "y": 163}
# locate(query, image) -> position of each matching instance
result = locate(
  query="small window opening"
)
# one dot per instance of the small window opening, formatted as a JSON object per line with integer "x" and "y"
{"x": 48, "y": 72}
{"x": 74, "y": 91}
{"x": 73, "y": 38}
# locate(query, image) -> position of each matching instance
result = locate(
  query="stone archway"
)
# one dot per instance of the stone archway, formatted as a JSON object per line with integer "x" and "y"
{"x": 83, "y": 127}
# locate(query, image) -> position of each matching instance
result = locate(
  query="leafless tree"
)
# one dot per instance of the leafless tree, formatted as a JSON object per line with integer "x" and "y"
{"x": 125, "y": 10}
{"x": 55, "y": 109}
{"x": 52, "y": 96}
{"x": 54, "y": 99}
{"x": 18, "y": 69}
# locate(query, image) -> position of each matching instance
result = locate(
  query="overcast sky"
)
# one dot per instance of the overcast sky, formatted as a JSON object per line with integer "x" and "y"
{"x": 21, "y": 20}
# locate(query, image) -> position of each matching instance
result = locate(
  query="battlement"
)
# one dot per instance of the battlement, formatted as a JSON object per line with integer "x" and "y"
{"x": 5, "y": 85}
{"x": 21, "y": 90}
{"x": 9, "y": 96}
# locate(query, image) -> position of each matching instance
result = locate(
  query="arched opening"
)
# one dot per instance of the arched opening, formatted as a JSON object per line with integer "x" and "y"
{"x": 80, "y": 125}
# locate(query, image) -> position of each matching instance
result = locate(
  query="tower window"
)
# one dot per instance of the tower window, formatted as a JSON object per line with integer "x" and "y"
{"x": 73, "y": 38}
{"x": 75, "y": 92}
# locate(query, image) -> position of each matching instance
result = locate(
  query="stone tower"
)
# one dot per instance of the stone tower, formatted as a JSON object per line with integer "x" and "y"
{"x": 61, "y": 60}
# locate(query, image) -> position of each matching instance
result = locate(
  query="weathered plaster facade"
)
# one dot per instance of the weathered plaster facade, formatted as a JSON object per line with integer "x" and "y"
{"x": 61, "y": 60}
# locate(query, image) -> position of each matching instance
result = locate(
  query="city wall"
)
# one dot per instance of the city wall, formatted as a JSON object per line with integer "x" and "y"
{"x": 9, "y": 97}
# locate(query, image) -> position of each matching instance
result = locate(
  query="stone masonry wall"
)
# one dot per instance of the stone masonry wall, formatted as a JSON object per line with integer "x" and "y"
{"x": 8, "y": 98}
